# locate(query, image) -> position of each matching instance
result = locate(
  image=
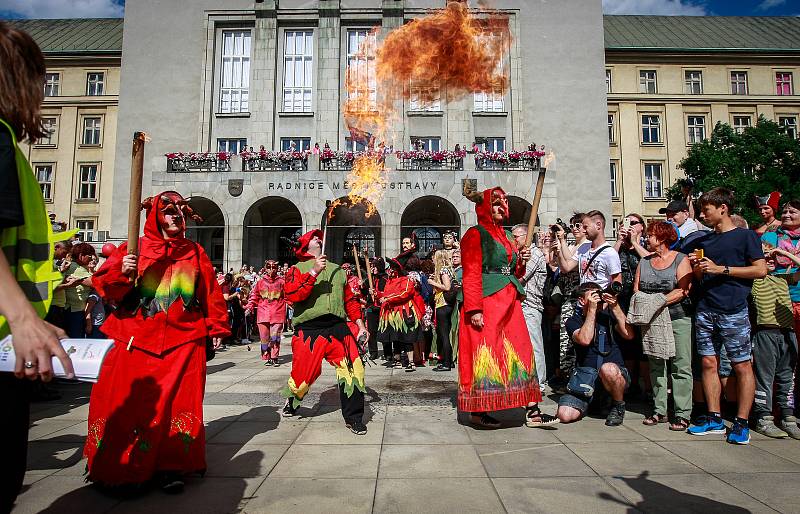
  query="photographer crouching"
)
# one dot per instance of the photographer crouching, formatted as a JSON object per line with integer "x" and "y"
{"x": 599, "y": 358}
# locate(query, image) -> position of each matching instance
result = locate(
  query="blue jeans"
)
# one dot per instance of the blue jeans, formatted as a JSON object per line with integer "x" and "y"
{"x": 715, "y": 330}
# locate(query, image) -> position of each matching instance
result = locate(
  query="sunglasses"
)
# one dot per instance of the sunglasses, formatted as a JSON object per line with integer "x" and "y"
{"x": 577, "y": 226}
{"x": 632, "y": 223}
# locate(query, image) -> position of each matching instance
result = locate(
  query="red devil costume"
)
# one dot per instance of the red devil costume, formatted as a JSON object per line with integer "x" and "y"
{"x": 402, "y": 308}
{"x": 146, "y": 410}
{"x": 322, "y": 304}
{"x": 268, "y": 300}
{"x": 496, "y": 364}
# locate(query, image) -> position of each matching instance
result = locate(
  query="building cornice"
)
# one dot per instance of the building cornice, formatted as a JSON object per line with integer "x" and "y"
{"x": 703, "y": 99}
{"x": 615, "y": 56}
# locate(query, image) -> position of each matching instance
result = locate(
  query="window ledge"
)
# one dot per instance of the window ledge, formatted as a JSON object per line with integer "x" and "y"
{"x": 45, "y": 146}
{"x": 89, "y": 146}
{"x": 656, "y": 145}
{"x": 425, "y": 114}
{"x": 296, "y": 114}
{"x": 86, "y": 200}
{"x": 662, "y": 199}
{"x": 232, "y": 114}
{"x": 490, "y": 114}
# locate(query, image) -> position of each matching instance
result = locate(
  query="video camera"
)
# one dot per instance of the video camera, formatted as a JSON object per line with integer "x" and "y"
{"x": 559, "y": 226}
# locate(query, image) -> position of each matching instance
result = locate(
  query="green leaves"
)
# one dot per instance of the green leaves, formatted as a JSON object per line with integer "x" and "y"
{"x": 758, "y": 161}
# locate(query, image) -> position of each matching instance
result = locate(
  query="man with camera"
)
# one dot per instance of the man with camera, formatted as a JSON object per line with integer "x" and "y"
{"x": 596, "y": 260}
{"x": 595, "y": 329}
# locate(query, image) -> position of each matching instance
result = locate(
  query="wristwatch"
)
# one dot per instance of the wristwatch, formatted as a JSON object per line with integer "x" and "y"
{"x": 726, "y": 271}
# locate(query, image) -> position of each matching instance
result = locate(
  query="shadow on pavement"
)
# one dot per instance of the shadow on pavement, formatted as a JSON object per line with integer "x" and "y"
{"x": 216, "y": 368}
{"x": 658, "y": 497}
{"x": 222, "y": 493}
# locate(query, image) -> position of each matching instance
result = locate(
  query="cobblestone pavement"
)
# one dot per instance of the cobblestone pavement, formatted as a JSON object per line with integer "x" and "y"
{"x": 417, "y": 456}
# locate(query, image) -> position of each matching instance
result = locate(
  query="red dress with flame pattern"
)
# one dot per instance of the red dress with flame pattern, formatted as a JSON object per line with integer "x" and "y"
{"x": 146, "y": 410}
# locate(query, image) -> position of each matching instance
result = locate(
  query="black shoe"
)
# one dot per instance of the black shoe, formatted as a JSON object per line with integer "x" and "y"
{"x": 617, "y": 415}
{"x": 441, "y": 367}
{"x": 288, "y": 408}
{"x": 171, "y": 483}
{"x": 484, "y": 420}
{"x": 357, "y": 427}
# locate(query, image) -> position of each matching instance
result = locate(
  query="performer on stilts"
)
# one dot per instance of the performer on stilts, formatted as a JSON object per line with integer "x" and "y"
{"x": 268, "y": 300}
{"x": 495, "y": 356}
{"x": 322, "y": 304}
{"x": 146, "y": 410}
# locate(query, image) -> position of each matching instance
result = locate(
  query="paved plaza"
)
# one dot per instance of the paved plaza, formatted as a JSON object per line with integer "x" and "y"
{"x": 415, "y": 458}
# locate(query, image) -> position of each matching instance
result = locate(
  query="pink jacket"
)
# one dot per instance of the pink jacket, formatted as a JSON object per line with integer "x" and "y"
{"x": 267, "y": 296}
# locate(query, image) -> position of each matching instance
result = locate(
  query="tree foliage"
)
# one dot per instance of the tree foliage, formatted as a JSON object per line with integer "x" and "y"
{"x": 758, "y": 161}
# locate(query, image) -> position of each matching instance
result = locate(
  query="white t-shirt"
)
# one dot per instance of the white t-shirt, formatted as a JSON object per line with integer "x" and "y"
{"x": 603, "y": 267}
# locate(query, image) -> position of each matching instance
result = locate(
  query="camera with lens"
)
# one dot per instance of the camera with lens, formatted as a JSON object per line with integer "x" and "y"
{"x": 613, "y": 289}
{"x": 558, "y": 227}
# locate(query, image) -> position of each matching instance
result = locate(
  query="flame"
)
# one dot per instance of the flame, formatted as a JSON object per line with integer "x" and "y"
{"x": 451, "y": 50}
{"x": 548, "y": 159}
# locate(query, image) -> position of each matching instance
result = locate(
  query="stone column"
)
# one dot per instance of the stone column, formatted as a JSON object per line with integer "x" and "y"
{"x": 264, "y": 74}
{"x": 328, "y": 100}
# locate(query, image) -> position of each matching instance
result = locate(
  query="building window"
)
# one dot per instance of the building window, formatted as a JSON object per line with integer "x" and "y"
{"x": 235, "y": 75}
{"x": 298, "y": 56}
{"x": 94, "y": 84}
{"x": 428, "y": 239}
{"x": 51, "y": 127}
{"x": 362, "y": 238}
{"x": 429, "y": 144}
{"x": 789, "y": 124}
{"x": 52, "y": 81}
{"x": 783, "y": 83}
{"x": 740, "y": 123}
{"x": 492, "y": 144}
{"x": 651, "y": 128}
{"x": 361, "y": 49}
{"x": 234, "y": 146}
{"x": 693, "y": 82}
{"x": 85, "y": 230}
{"x": 613, "y": 170}
{"x": 87, "y": 189}
{"x": 610, "y": 129}
{"x": 425, "y": 98}
{"x": 491, "y": 101}
{"x": 738, "y": 82}
{"x": 652, "y": 181}
{"x": 647, "y": 82}
{"x": 354, "y": 146}
{"x": 697, "y": 129}
{"x": 44, "y": 175}
{"x": 295, "y": 144}
{"x": 608, "y": 81}
{"x": 91, "y": 130}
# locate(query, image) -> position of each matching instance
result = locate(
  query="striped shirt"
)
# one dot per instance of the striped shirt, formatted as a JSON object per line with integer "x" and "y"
{"x": 773, "y": 305}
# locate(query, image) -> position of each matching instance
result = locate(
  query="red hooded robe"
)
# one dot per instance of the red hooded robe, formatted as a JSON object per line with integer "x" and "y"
{"x": 146, "y": 410}
{"x": 496, "y": 363}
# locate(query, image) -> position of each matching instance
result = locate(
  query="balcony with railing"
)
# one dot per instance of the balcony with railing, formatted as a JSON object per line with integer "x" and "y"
{"x": 342, "y": 161}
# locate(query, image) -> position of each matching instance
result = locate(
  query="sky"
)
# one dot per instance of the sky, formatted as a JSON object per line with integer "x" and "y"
{"x": 115, "y": 8}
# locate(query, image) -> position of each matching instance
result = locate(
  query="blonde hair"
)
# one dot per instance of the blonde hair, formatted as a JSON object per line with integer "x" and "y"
{"x": 442, "y": 259}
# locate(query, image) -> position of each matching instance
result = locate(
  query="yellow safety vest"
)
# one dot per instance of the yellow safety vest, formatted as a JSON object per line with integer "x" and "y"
{"x": 29, "y": 247}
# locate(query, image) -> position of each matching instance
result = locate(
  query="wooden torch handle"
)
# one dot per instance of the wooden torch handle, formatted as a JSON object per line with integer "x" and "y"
{"x": 537, "y": 199}
{"x": 135, "y": 205}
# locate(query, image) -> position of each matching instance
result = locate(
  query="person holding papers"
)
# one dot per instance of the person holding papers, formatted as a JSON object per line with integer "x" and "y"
{"x": 26, "y": 257}
{"x": 146, "y": 410}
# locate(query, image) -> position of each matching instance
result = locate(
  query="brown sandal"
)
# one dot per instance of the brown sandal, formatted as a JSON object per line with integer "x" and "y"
{"x": 679, "y": 425}
{"x": 655, "y": 419}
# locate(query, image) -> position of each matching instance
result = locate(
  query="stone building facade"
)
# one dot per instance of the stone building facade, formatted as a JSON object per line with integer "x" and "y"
{"x": 182, "y": 84}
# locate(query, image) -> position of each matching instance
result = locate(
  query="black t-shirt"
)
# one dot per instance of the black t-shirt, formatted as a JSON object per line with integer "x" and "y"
{"x": 735, "y": 248}
{"x": 10, "y": 198}
{"x": 604, "y": 344}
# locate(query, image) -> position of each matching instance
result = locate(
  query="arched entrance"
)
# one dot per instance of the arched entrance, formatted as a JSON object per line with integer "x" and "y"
{"x": 266, "y": 222}
{"x": 429, "y": 217}
{"x": 519, "y": 211}
{"x": 349, "y": 225}
{"x": 210, "y": 233}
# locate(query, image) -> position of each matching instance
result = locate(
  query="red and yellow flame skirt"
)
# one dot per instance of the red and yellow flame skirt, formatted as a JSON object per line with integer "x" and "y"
{"x": 496, "y": 364}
